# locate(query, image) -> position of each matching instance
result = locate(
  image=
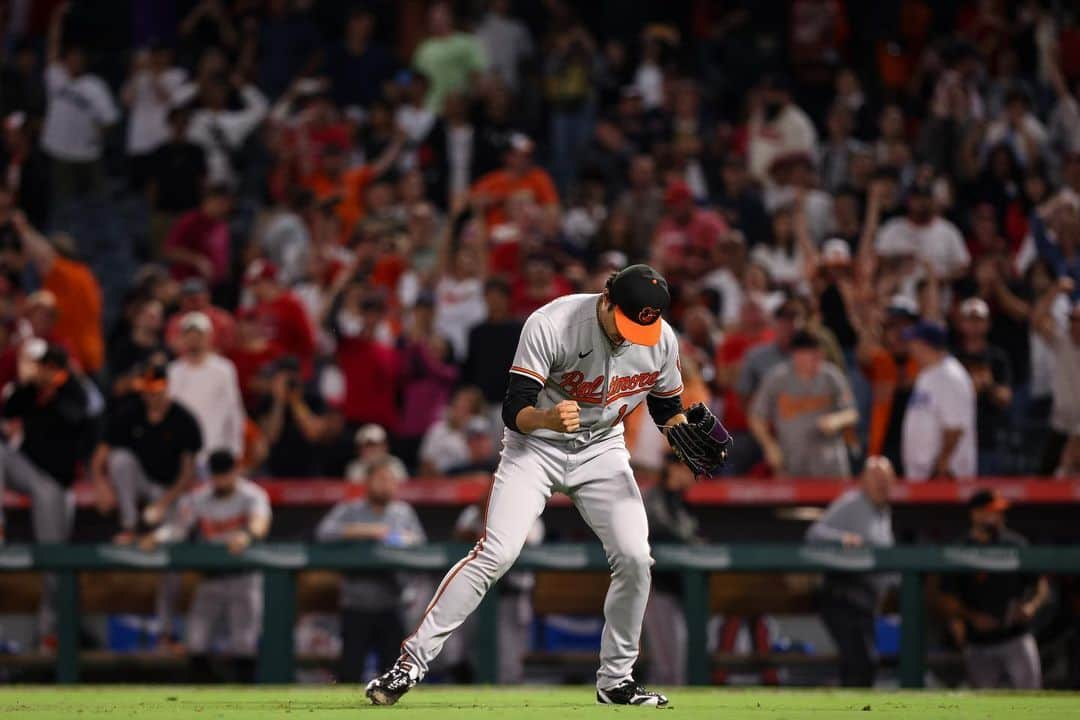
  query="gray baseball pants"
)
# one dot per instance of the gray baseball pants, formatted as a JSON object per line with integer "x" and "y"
{"x": 52, "y": 514}
{"x": 133, "y": 487}
{"x": 1013, "y": 664}
{"x": 598, "y": 479}
{"x": 235, "y": 600}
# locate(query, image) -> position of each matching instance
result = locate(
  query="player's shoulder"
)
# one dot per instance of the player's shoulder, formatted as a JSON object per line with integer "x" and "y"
{"x": 566, "y": 310}
{"x": 251, "y": 489}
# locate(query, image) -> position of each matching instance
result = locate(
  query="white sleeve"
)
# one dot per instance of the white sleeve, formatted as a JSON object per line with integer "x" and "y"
{"x": 260, "y": 507}
{"x": 234, "y": 407}
{"x": 670, "y": 383}
{"x": 55, "y": 76}
{"x": 538, "y": 349}
{"x": 105, "y": 111}
{"x": 240, "y": 123}
{"x": 960, "y": 258}
{"x": 954, "y": 398}
{"x": 890, "y": 240}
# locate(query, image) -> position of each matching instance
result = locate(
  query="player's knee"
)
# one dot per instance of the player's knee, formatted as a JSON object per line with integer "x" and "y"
{"x": 495, "y": 559}
{"x": 634, "y": 561}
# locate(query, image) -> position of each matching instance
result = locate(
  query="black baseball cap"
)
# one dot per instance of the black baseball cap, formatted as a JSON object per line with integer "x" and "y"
{"x": 804, "y": 340}
{"x": 640, "y": 295}
{"x": 988, "y": 500}
{"x": 221, "y": 461}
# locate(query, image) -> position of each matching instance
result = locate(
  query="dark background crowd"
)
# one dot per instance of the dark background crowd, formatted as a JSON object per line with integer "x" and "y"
{"x": 308, "y": 232}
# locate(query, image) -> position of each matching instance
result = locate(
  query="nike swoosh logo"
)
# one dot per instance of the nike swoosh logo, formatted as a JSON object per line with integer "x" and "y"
{"x": 584, "y": 355}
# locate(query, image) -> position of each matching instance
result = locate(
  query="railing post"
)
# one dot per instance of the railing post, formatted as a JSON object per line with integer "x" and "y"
{"x": 912, "y": 629}
{"x": 276, "y": 652}
{"x": 486, "y": 652}
{"x": 66, "y": 604}
{"x": 696, "y": 609}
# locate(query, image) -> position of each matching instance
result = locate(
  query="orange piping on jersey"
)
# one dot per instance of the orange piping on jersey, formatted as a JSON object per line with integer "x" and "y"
{"x": 530, "y": 373}
{"x": 625, "y": 393}
{"x": 669, "y": 393}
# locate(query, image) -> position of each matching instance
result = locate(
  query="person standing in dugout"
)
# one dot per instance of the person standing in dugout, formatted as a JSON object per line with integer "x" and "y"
{"x": 583, "y": 363}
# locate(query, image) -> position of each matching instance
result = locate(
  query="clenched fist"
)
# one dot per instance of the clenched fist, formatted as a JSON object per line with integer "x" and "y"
{"x": 564, "y": 417}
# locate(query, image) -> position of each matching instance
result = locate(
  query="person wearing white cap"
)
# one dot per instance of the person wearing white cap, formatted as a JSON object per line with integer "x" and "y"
{"x": 991, "y": 373}
{"x": 371, "y": 448}
{"x": 206, "y": 384}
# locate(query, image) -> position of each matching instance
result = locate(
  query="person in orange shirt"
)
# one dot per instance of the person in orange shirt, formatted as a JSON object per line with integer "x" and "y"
{"x": 334, "y": 183}
{"x": 76, "y": 290}
{"x": 491, "y": 192}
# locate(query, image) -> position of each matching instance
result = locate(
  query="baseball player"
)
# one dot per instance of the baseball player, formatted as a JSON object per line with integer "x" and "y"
{"x": 235, "y": 512}
{"x": 583, "y": 362}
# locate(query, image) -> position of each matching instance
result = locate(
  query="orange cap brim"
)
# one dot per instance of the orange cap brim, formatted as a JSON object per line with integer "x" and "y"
{"x": 637, "y": 333}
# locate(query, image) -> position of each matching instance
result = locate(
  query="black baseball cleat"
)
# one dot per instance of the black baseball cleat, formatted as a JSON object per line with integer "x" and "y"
{"x": 629, "y": 692}
{"x": 388, "y": 688}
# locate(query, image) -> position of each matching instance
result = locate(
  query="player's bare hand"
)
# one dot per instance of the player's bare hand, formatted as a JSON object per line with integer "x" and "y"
{"x": 851, "y": 540}
{"x": 148, "y": 543}
{"x": 239, "y": 542}
{"x": 565, "y": 417}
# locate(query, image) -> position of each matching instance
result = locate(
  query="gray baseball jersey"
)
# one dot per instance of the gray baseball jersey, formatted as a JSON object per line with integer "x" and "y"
{"x": 235, "y": 599}
{"x": 563, "y": 347}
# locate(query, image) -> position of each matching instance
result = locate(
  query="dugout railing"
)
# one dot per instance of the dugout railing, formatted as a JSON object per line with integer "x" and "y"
{"x": 280, "y": 563}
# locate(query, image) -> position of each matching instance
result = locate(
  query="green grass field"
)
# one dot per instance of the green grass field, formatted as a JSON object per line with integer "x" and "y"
{"x": 560, "y": 703}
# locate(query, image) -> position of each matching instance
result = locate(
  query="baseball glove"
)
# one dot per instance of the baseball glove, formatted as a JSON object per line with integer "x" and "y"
{"x": 701, "y": 442}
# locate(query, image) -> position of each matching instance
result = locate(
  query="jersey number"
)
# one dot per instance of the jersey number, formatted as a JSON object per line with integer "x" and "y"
{"x": 621, "y": 416}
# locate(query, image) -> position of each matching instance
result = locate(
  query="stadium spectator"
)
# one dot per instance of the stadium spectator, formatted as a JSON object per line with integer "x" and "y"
{"x": 670, "y": 521}
{"x": 143, "y": 344}
{"x": 939, "y": 432}
{"x": 428, "y": 377}
{"x": 195, "y": 297}
{"x": 253, "y": 354}
{"x": 295, "y": 422}
{"x": 507, "y": 42}
{"x": 482, "y": 457}
{"x": 198, "y": 244}
{"x": 371, "y": 602}
{"x": 75, "y": 290}
{"x": 49, "y": 403}
{"x": 372, "y": 447}
{"x": 800, "y": 413}
{"x": 221, "y": 130}
{"x": 514, "y": 612}
{"x": 148, "y": 94}
{"x": 861, "y": 517}
{"x": 491, "y": 346}
{"x": 445, "y": 444}
{"x": 991, "y": 375}
{"x": 176, "y": 173}
{"x": 451, "y": 60}
{"x": 778, "y": 128}
{"x": 147, "y": 454}
{"x": 459, "y": 296}
{"x": 205, "y": 383}
{"x": 990, "y": 614}
{"x": 493, "y": 191}
{"x": 281, "y": 311}
{"x": 360, "y": 65}
{"x": 25, "y": 168}
{"x": 683, "y": 226}
{"x": 80, "y": 108}
{"x": 1065, "y": 383}
{"x": 234, "y": 512}
{"x": 923, "y": 235}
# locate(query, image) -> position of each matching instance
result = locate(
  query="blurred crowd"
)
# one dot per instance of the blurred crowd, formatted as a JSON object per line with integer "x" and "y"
{"x": 331, "y": 219}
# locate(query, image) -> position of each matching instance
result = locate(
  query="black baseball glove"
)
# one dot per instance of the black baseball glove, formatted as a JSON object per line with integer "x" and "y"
{"x": 701, "y": 442}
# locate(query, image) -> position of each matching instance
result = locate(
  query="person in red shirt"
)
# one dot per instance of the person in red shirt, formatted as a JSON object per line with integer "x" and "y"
{"x": 195, "y": 297}
{"x": 370, "y": 366}
{"x": 539, "y": 284}
{"x": 252, "y": 352}
{"x": 197, "y": 246}
{"x": 753, "y": 329}
{"x": 683, "y": 225}
{"x": 491, "y": 192}
{"x": 284, "y": 316}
